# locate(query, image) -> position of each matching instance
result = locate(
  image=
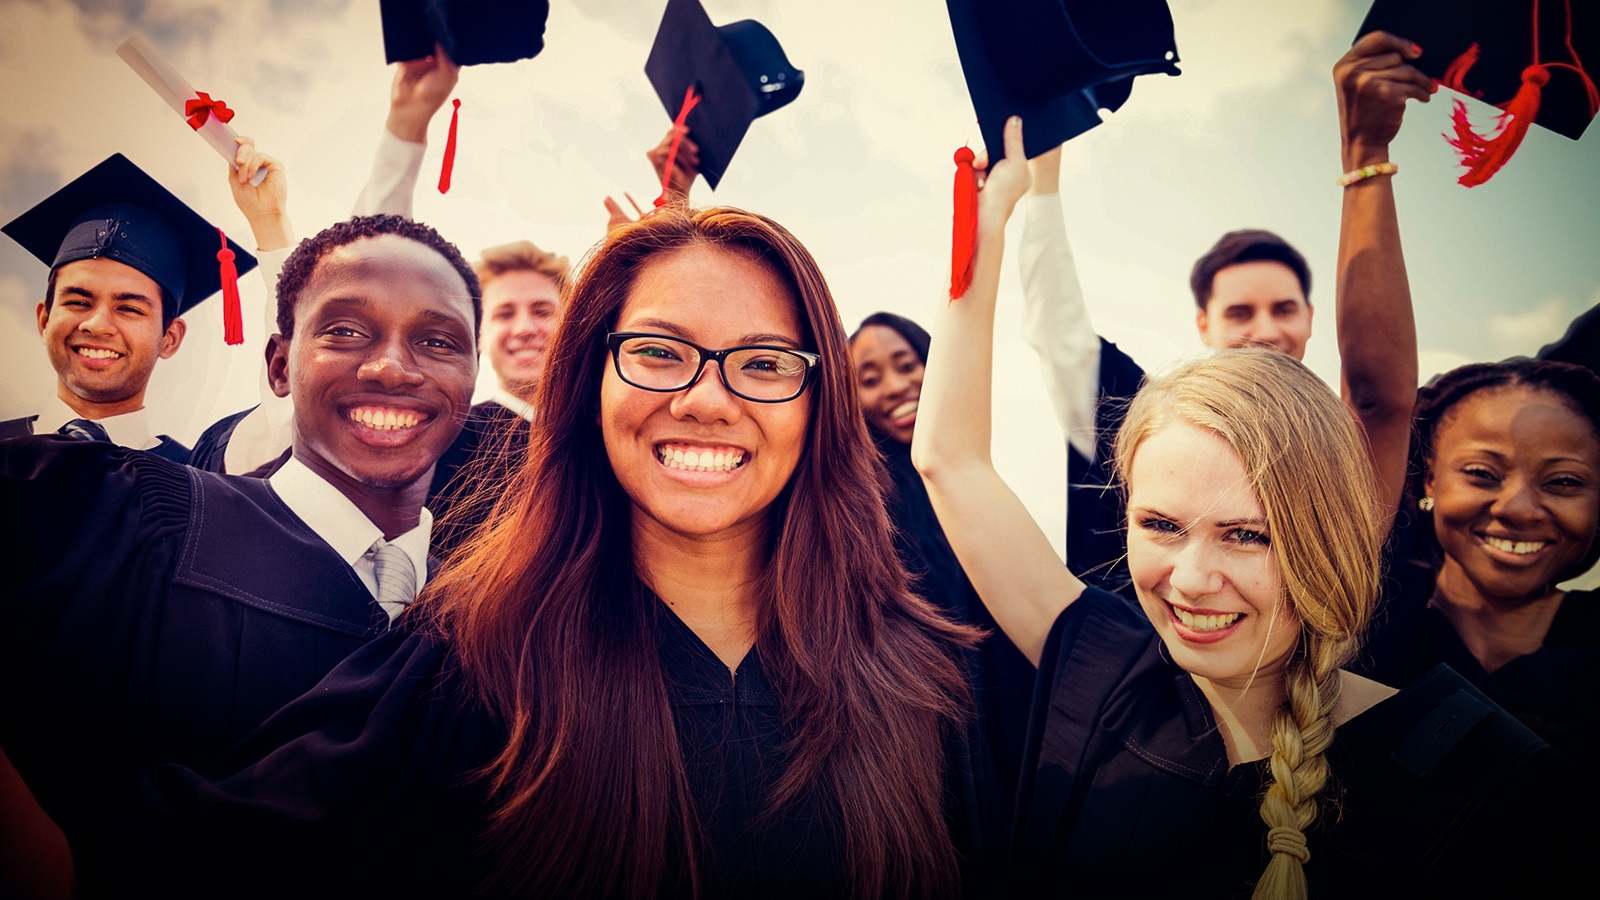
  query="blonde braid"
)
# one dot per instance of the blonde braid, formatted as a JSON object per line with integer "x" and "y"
{"x": 1301, "y": 734}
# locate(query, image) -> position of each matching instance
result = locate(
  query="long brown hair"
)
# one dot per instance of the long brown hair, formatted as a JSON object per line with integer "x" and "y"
{"x": 553, "y": 627}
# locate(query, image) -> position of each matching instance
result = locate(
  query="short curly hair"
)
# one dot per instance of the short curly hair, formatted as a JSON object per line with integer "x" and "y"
{"x": 303, "y": 261}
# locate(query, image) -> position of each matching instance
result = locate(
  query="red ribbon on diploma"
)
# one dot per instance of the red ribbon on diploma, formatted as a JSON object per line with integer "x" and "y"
{"x": 202, "y": 107}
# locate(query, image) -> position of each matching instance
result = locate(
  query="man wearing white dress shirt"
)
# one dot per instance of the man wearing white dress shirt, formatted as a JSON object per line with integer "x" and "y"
{"x": 157, "y": 613}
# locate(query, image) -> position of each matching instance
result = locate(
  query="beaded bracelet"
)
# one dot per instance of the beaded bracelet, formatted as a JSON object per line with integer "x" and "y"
{"x": 1365, "y": 172}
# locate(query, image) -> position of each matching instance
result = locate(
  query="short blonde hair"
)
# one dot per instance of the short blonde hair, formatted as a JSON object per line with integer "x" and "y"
{"x": 1308, "y": 464}
{"x": 521, "y": 256}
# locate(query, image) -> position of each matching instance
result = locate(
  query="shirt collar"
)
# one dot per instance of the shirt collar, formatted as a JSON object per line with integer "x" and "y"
{"x": 339, "y": 522}
{"x": 512, "y": 402}
{"x": 131, "y": 429}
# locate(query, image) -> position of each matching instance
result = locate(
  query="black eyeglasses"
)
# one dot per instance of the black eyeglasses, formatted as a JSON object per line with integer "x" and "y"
{"x": 765, "y": 374}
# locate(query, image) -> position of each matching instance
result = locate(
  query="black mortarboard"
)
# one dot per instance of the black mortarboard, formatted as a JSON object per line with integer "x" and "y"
{"x": 473, "y": 32}
{"x": 1481, "y": 48}
{"x": 1056, "y": 63}
{"x": 116, "y": 211}
{"x": 738, "y": 71}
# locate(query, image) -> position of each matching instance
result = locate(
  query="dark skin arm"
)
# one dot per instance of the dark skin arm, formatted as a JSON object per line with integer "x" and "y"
{"x": 35, "y": 861}
{"x": 1376, "y": 329}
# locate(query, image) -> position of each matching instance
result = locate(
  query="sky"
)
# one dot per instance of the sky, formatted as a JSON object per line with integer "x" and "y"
{"x": 858, "y": 167}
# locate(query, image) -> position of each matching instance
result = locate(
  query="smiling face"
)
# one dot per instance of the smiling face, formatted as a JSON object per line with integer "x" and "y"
{"x": 520, "y": 312}
{"x": 1257, "y": 304}
{"x": 888, "y": 380}
{"x": 1199, "y": 551}
{"x": 381, "y": 365}
{"x": 103, "y": 335}
{"x": 702, "y": 462}
{"x": 1515, "y": 479}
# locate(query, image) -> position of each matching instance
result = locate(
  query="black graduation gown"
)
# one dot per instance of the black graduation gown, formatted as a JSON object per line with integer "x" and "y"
{"x": 166, "y": 447}
{"x": 153, "y": 613}
{"x": 1555, "y": 690}
{"x": 1000, "y": 676}
{"x": 1097, "y": 534}
{"x": 1436, "y": 791}
{"x": 492, "y": 444}
{"x": 364, "y": 787}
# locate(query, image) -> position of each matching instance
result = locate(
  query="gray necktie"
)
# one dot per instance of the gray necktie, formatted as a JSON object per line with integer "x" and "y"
{"x": 85, "y": 430}
{"x": 397, "y": 578}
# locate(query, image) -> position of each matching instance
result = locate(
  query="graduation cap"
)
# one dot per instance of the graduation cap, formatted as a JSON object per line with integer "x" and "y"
{"x": 1525, "y": 57}
{"x": 1056, "y": 63}
{"x": 737, "y": 73}
{"x": 473, "y": 32}
{"x": 118, "y": 212}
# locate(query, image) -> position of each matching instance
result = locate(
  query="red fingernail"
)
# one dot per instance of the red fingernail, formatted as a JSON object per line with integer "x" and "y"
{"x": 1416, "y": 49}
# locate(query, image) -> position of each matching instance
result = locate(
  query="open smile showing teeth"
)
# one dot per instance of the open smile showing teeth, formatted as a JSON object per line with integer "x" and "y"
{"x": 1521, "y": 548}
{"x": 385, "y": 419}
{"x": 700, "y": 459}
{"x": 904, "y": 411}
{"x": 1205, "y": 623}
{"x": 96, "y": 353}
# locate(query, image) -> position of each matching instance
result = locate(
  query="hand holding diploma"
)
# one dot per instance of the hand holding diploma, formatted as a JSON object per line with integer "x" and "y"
{"x": 205, "y": 114}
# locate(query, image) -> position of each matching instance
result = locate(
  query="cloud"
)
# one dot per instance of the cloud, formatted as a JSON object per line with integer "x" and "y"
{"x": 1523, "y": 333}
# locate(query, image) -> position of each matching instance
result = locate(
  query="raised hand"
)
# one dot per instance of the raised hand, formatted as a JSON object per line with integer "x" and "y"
{"x": 685, "y": 166}
{"x": 421, "y": 86}
{"x": 1374, "y": 80}
{"x": 265, "y": 206}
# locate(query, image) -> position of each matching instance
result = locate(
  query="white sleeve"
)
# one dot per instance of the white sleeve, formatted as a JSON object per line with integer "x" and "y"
{"x": 266, "y": 431}
{"x": 1055, "y": 321}
{"x": 393, "y": 182}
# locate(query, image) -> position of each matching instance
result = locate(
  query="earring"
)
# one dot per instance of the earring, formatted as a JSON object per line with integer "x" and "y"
{"x": 1425, "y": 504}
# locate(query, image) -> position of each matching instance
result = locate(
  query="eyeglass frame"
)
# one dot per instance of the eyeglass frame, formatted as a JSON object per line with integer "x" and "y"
{"x": 614, "y": 341}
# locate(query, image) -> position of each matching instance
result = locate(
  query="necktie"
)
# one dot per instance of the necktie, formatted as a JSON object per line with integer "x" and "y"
{"x": 84, "y": 430}
{"x": 397, "y": 578}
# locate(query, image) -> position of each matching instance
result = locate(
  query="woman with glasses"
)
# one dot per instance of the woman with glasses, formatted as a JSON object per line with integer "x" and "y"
{"x": 681, "y": 660}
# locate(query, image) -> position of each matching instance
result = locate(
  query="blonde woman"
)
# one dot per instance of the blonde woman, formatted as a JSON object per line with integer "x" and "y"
{"x": 1210, "y": 741}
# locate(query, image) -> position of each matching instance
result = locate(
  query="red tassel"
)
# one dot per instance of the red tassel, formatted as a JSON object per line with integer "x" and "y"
{"x": 964, "y": 238}
{"x": 232, "y": 313}
{"x": 1484, "y": 154}
{"x": 1456, "y": 72}
{"x": 449, "y": 149}
{"x": 690, "y": 98}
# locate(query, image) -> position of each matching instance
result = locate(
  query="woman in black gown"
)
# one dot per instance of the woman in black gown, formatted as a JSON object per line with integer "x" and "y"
{"x": 1505, "y": 502}
{"x": 890, "y": 352}
{"x": 1211, "y": 742}
{"x": 682, "y": 661}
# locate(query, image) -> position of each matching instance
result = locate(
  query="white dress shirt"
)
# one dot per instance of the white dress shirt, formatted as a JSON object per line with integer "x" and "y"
{"x": 344, "y": 527}
{"x": 131, "y": 430}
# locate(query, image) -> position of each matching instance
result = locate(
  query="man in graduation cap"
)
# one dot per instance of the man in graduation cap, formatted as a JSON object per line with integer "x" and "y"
{"x": 127, "y": 259}
{"x": 157, "y": 613}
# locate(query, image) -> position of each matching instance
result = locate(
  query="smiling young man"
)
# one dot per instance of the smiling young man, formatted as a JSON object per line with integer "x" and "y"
{"x": 157, "y": 613}
{"x": 126, "y": 259}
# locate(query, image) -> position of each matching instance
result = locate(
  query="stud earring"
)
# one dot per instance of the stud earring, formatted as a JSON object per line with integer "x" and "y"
{"x": 1425, "y": 504}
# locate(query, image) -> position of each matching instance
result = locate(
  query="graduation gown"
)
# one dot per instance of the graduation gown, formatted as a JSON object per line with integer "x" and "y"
{"x": 153, "y": 613}
{"x": 1434, "y": 792}
{"x": 493, "y": 442}
{"x": 365, "y": 787}
{"x": 1000, "y": 676}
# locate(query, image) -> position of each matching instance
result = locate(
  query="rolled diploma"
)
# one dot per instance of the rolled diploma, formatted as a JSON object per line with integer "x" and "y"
{"x": 171, "y": 87}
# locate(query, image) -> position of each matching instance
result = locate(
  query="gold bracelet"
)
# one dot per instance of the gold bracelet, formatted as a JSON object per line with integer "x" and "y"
{"x": 1365, "y": 172}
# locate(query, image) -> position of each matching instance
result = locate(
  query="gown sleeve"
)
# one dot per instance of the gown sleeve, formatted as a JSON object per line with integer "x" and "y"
{"x": 363, "y": 787}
